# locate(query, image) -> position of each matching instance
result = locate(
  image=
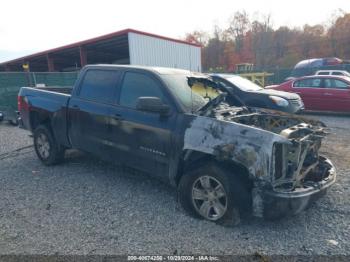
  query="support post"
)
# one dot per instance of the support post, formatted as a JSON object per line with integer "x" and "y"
{"x": 50, "y": 63}
{"x": 83, "y": 56}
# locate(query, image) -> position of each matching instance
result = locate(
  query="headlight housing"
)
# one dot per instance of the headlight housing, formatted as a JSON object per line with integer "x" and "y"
{"x": 279, "y": 101}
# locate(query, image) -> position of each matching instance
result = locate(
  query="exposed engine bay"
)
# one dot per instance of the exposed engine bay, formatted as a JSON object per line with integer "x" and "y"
{"x": 295, "y": 163}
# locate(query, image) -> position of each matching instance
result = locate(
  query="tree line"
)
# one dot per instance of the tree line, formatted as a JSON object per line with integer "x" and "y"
{"x": 247, "y": 40}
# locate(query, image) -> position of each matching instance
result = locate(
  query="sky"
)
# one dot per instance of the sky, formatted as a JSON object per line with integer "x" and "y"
{"x": 30, "y": 26}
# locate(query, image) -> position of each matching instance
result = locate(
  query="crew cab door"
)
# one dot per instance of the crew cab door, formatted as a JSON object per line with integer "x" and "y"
{"x": 89, "y": 111}
{"x": 142, "y": 138}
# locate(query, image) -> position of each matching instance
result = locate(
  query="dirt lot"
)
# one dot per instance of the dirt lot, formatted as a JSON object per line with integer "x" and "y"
{"x": 86, "y": 206}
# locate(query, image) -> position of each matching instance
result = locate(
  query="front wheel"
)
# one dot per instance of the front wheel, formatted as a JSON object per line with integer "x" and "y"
{"x": 212, "y": 193}
{"x": 46, "y": 148}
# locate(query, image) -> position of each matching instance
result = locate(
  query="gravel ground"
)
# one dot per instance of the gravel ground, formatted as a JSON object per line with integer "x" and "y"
{"x": 86, "y": 206}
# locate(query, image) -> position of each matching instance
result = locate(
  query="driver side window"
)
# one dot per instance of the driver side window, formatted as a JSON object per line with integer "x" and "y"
{"x": 137, "y": 85}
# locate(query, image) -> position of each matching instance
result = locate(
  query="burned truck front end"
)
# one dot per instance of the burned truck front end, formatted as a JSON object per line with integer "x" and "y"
{"x": 280, "y": 152}
{"x": 298, "y": 174}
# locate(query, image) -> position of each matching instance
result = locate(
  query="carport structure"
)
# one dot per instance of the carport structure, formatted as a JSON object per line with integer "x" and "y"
{"x": 128, "y": 46}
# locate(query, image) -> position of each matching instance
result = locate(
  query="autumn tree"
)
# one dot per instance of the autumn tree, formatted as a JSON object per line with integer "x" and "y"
{"x": 247, "y": 40}
{"x": 198, "y": 37}
{"x": 339, "y": 35}
{"x": 238, "y": 27}
{"x": 286, "y": 41}
{"x": 262, "y": 41}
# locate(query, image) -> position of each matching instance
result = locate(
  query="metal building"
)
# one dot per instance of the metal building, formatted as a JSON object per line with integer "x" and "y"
{"x": 128, "y": 46}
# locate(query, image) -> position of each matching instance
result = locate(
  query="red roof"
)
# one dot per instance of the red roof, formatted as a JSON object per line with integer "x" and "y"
{"x": 96, "y": 39}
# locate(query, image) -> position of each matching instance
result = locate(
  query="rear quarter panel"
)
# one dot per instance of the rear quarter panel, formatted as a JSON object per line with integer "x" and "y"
{"x": 46, "y": 107}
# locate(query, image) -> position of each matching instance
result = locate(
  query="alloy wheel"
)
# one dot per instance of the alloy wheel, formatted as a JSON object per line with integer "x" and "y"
{"x": 209, "y": 197}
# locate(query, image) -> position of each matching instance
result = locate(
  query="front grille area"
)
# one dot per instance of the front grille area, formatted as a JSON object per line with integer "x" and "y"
{"x": 292, "y": 162}
{"x": 288, "y": 164}
{"x": 278, "y": 161}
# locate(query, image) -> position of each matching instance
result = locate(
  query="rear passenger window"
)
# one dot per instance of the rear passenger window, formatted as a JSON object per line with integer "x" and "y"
{"x": 137, "y": 85}
{"x": 99, "y": 85}
{"x": 309, "y": 82}
{"x": 335, "y": 83}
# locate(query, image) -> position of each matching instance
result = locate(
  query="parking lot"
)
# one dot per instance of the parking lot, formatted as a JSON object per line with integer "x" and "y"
{"x": 86, "y": 206}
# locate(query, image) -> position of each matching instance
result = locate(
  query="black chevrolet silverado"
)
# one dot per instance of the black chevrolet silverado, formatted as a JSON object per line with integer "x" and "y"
{"x": 222, "y": 159}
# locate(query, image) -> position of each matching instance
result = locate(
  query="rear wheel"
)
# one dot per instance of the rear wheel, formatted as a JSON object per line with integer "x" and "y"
{"x": 211, "y": 193}
{"x": 46, "y": 148}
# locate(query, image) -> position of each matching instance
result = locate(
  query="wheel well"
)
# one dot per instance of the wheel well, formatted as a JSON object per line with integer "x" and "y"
{"x": 194, "y": 159}
{"x": 36, "y": 119}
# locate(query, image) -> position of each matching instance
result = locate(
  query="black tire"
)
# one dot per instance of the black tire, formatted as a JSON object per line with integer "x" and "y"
{"x": 237, "y": 198}
{"x": 55, "y": 152}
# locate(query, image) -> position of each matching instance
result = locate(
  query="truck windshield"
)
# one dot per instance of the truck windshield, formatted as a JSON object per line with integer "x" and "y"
{"x": 179, "y": 87}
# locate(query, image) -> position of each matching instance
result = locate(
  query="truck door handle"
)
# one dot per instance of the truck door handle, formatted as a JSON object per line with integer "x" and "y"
{"x": 328, "y": 94}
{"x": 76, "y": 107}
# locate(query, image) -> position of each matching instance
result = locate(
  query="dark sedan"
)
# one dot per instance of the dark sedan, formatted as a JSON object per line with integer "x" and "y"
{"x": 242, "y": 90}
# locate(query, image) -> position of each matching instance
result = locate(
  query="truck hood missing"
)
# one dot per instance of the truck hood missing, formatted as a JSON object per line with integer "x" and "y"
{"x": 274, "y": 147}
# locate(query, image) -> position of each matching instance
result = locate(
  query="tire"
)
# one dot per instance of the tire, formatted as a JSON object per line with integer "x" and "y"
{"x": 235, "y": 199}
{"x": 46, "y": 147}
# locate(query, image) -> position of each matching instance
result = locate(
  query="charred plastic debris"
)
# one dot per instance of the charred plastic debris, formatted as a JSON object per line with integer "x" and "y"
{"x": 280, "y": 152}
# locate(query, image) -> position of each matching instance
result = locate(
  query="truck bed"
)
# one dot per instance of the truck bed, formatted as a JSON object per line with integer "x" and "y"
{"x": 57, "y": 89}
{"x": 45, "y": 103}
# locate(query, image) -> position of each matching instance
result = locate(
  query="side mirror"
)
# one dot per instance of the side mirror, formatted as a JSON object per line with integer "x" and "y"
{"x": 152, "y": 104}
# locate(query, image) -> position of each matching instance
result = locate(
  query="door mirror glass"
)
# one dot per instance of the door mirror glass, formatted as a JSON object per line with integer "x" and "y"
{"x": 152, "y": 104}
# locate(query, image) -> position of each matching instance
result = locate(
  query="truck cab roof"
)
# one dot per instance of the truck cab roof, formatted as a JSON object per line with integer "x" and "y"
{"x": 154, "y": 69}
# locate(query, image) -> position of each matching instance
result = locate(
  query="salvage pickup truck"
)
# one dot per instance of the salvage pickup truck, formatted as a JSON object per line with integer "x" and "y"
{"x": 223, "y": 160}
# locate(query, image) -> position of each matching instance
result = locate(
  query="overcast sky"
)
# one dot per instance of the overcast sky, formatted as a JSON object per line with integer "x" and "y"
{"x": 35, "y": 25}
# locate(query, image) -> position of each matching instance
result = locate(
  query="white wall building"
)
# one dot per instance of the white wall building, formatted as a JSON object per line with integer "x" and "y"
{"x": 128, "y": 46}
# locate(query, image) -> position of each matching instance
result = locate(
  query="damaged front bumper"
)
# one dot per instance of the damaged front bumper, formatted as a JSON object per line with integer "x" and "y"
{"x": 272, "y": 204}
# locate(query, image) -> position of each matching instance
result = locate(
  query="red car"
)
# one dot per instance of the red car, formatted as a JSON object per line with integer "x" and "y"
{"x": 320, "y": 93}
